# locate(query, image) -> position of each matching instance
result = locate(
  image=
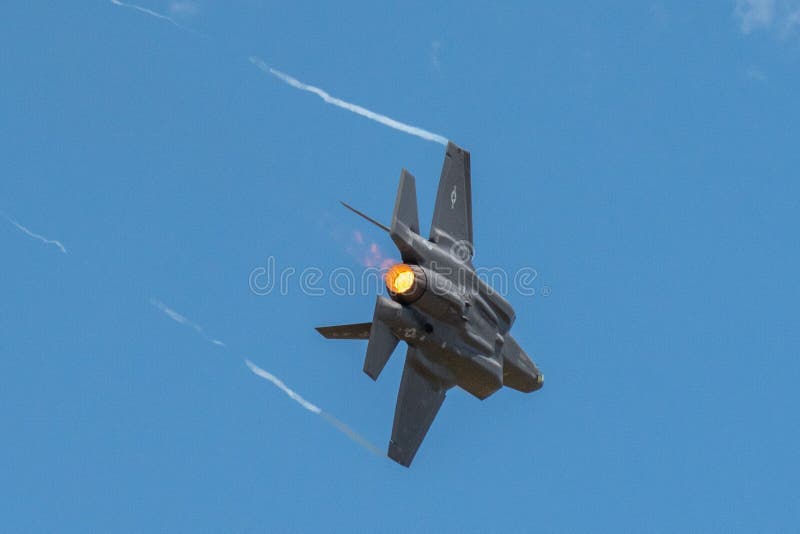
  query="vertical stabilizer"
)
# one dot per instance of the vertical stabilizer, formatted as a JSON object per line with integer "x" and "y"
{"x": 405, "y": 206}
{"x": 405, "y": 220}
{"x": 452, "y": 215}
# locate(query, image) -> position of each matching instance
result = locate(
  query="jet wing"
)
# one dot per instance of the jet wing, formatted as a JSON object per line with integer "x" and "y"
{"x": 418, "y": 402}
{"x": 452, "y": 216}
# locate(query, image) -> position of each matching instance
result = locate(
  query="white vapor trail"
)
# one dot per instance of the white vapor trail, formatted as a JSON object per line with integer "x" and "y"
{"x": 34, "y": 234}
{"x": 151, "y": 13}
{"x": 178, "y": 318}
{"x": 258, "y": 371}
{"x": 277, "y": 382}
{"x": 364, "y": 112}
{"x": 297, "y": 84}
{"x": 313, "y": 408}
{"x": 352, "y": 434}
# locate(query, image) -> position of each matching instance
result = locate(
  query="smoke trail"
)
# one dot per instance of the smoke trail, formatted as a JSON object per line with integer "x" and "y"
{"x": 151, "y": 13}
{"x": 383, "y": 119}
{"x": 34, "y": 235}
{"x": 178, "y": 318}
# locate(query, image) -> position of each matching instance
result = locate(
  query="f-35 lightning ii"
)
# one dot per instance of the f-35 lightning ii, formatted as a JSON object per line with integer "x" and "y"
{"x": 456, "y": 327}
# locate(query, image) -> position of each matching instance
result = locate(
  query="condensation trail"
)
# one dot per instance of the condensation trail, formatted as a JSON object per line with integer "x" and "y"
{"x": 297, "y": 84}
{"x": 354, "y": 436}
{"x": 258, "y": 371}
{"x": 364, "y": 112}
{"x": 277, "y": 382}
{"x": 34, "y": 234}
{"x": 178, "y": 318}
{"x": 151, "y": 13}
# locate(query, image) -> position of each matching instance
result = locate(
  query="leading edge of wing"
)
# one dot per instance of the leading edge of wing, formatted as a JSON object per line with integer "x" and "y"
{"x": 418, "y": 401}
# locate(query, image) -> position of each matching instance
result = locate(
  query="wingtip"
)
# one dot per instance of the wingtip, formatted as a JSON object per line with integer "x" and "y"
{"x": 453, "y": 149}
{"x": 372, "y": 375}
{"x": 396, "y": 454}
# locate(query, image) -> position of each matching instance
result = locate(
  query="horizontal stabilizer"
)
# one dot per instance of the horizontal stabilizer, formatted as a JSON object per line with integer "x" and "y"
{"x": 382, "y": 343}
{"x": 346, "y": 331}
{"x": 367, "y": 217}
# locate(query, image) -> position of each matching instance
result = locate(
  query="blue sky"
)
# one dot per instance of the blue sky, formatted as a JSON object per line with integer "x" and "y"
{"x": 641, "y": 156}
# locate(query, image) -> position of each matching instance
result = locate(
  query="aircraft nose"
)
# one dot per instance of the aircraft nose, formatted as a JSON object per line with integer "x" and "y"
{"x": 537, "y": 382}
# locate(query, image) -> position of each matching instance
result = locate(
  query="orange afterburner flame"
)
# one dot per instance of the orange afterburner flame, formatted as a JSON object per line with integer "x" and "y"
{"x": 400, "y": 279}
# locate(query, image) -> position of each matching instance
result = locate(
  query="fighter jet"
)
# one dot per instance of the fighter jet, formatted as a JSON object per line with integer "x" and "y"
{"x": 455, "y": 326}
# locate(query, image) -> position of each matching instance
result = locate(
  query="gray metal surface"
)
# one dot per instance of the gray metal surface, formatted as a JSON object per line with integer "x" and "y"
{"x": 346, "y": 331}
{"x": 455, "y": 326}
{"x": 418, "y": 401}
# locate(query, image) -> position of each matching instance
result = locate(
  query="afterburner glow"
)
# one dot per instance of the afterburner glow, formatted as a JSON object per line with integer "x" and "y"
{"x": 400, "y": 279}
